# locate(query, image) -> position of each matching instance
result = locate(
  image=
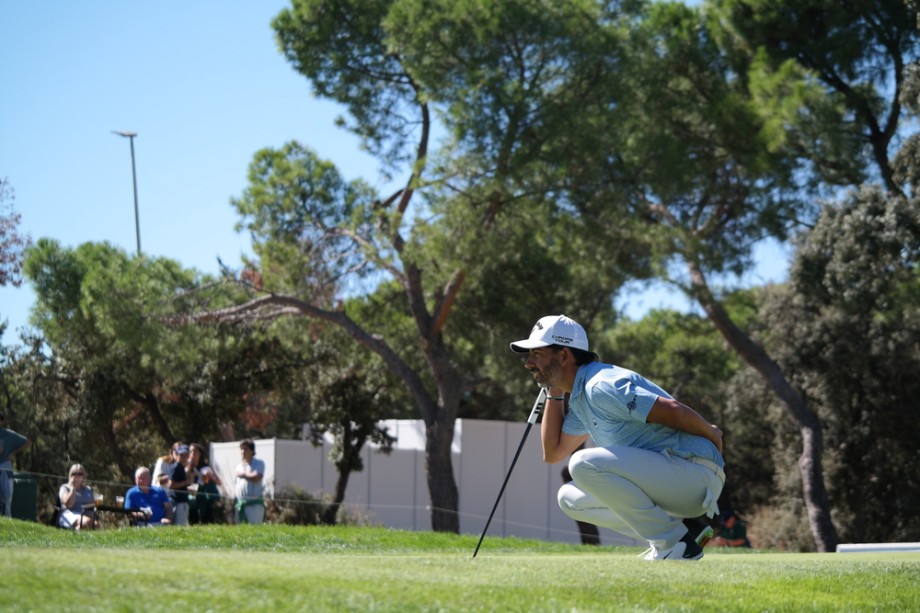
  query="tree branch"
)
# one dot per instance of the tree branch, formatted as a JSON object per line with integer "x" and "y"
{"x": 442, "y": 311}
{"x": 274, "y": 305}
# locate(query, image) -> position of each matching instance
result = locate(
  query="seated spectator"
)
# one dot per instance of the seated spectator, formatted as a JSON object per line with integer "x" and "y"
{"x": 733, "y": 532}
{"x": 76, "y": 497}
{"x": 201, "y": 507}
{"x": 150, "y": 503}
{"x": 207, "y": 491}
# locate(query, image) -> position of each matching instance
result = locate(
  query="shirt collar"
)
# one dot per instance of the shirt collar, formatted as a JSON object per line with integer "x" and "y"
{"x": 579, "y": 386}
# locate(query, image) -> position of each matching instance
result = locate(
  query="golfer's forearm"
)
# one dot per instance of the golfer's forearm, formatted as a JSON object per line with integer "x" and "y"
{"x": 551, "y": 431}
{"x": 679, "y": 416}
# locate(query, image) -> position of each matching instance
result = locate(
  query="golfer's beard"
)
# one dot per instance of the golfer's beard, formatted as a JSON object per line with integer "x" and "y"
{"x": 548, "y": 377}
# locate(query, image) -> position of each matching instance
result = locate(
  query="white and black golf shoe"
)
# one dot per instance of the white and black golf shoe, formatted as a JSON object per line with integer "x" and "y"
{"x": 686, "y": 550}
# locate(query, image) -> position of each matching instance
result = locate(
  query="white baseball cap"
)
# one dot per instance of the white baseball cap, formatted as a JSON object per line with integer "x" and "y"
{"x": 553, "y": 330}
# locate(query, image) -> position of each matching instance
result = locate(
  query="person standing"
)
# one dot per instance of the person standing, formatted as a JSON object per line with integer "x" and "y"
{"x": 657, "y": 461}
{"x": 162, "y": 469}
{"x": 178, "y": 483}
{"x": 10, "y": 443}
{"x": 250, "y": 507}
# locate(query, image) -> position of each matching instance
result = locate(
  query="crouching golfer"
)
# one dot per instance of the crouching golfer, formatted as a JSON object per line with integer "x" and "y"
{"x": 657, "y": 461}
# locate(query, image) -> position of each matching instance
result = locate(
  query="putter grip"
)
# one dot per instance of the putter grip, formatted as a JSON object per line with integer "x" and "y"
{"x": 537, "y": 407}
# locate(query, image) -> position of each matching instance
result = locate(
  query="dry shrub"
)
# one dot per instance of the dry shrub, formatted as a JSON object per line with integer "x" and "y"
{"x": 780, "y": 527}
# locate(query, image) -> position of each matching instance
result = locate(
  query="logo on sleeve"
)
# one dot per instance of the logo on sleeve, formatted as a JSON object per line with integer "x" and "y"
{"x": 632, "y": 405}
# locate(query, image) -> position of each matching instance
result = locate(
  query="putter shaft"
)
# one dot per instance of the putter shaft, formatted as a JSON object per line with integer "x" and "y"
{"x": 534, "y": 415}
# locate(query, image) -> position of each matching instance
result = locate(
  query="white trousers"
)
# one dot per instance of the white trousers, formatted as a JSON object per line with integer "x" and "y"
{"x": 180, "y": 514}
{"x": 642, "y": 494}
{"x": 255, "y": 513}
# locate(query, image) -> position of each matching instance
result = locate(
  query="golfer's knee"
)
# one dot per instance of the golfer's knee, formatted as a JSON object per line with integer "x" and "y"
{"x": 580, "y": 466}
{"x": 566, "y": 497}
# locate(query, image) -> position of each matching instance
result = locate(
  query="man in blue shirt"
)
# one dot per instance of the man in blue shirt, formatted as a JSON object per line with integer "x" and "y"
{"x": 656, "y": 460}
{"x": 150, "y": 502}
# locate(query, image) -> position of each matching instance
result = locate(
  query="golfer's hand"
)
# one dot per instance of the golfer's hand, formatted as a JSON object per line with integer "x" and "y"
{"x": 717, "y": 437}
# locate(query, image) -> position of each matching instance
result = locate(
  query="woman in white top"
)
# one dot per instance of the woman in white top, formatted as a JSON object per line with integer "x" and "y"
{"x": 75, "y": 495}
{"x": 163, "y": 469}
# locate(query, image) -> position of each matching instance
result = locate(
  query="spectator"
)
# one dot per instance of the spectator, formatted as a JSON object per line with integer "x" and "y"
{"x": 733, "y": 532}
{"x": 150, "y": 502}
{"x": 201, "y": 508}
{"x": 10, "y": 443}
{"x": 178, "y": 485}
{"x": 75, "y": 496}
{"x": 162, "y": 470}
{"x": 207, "y": 493}
{"x": 250, "y": 507}
{"x": 198, "y": 460}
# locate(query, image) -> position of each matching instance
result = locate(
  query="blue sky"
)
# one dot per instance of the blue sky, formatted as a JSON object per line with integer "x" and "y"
{"x": 205, "y": 87}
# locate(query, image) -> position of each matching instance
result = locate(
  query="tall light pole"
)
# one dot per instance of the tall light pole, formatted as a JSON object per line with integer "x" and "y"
{"x": 137, "y": 222}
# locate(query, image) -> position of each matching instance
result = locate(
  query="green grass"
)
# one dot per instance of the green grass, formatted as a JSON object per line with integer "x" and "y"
{"x": 283, "y": 568}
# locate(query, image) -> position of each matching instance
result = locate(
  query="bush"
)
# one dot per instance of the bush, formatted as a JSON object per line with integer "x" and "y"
{"x": 783, "y": 527}
{"x": 294, "y": 506}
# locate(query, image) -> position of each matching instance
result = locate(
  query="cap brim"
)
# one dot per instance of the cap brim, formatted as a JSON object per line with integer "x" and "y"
{"x": 527, "y": 344}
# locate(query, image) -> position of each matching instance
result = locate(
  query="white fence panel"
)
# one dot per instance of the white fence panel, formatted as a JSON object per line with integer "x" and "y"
{"x": 393, "y": 489}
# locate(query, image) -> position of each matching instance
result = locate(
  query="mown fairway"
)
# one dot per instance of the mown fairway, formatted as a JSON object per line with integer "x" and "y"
{"x": 271, "y": 568}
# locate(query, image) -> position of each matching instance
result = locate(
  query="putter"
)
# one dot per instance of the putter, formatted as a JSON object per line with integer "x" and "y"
{"x": 534, "y": 414}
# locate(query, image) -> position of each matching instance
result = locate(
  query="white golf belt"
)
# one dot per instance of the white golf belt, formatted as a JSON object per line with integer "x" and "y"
{"x": 711, "y": 466}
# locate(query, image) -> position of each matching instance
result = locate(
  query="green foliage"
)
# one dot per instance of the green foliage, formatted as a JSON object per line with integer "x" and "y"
{"x": 855, "y": 52}
{"x": 129, "y": 378}
{"x": 906, "y": 163}
{"x": 302, "y": 216}
{"x": 294, "y": 506}
{"x": 12, "y": 243}
{"x": 708, "y": 181}
{"x": 581, "y": 144}
{"x": 342, "y": 49}
{"x": 851, "y": 329}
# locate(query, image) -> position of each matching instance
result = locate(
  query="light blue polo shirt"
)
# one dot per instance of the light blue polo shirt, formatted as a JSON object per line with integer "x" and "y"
{"x": 611, "y": 405}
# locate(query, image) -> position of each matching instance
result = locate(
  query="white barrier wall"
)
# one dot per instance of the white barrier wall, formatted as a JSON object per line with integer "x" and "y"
{"x": 393, "y": 490}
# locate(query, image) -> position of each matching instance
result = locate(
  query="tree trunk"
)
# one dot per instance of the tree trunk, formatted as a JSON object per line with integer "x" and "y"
{"x": 813, "y": 488}
{"x": 438, "y": 415}
{"x": 440, "y": 473}
{"x": 352, "y": 444}
{"x": 341, "y": 484}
